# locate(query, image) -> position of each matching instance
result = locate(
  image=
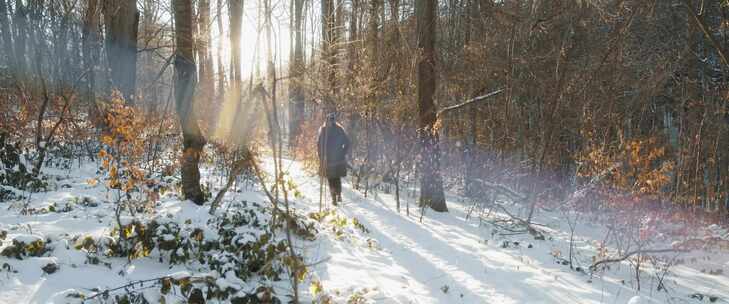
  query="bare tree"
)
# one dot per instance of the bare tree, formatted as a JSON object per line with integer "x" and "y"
{"x": 431, "y": 183}
{"x": 296, "y": 90}
{"x": 90, "y": 41}
{"x": 122, "y": 25}
{"x": 6, "y": 34}
{"x": 329, "y": 54}
{"x": 235, "y": 11}
{"x": 20, "y": 36}
{"x": 193, "y": 141}
{"x": 205, "y": 67}
{"x": 221, "y": 66}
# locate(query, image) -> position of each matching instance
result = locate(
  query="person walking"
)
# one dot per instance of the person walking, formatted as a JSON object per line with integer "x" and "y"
{"x": 333, "y": 148}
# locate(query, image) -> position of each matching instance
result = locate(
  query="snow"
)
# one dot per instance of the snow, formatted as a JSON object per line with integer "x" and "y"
{"x": 180, "y": 275}
{"x": 443, "y": 259}
{"x": 27, "y": 238}
{"x": 637, "y": 300}
{"x": 447, "y": 259}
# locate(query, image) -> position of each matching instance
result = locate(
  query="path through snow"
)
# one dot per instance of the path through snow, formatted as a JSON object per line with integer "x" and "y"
{"x": 447, "y": 259}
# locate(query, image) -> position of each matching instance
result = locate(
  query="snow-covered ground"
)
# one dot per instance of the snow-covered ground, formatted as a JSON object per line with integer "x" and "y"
{"x": 448, "y": 259}
{"x": 390, "y": 258}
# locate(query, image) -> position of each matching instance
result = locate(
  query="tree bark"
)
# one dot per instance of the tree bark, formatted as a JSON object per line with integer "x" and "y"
{"x": 372, "y": 39}
{"x": 205, "y": 67}
{"x": 6, "y": 34}
{"x": 122, "y": 22}
{"x": 431, "y": 183}
{"x": 329, "y": 52}
{"x": 296, "y": 92}
{"x": 235, "y": 12}
{"x": 90, "y": 45}
{"x": 206, "y": 88}
{"x": 20, "y": 36}
{"x": 193, "y": 141}
{"x": 393, "y": 43}
{"x": 353, "y": 70}
{"x": 221, "y": 67}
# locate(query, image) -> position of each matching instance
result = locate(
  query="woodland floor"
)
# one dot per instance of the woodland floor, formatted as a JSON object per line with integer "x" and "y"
{"x": 395, "y": 259}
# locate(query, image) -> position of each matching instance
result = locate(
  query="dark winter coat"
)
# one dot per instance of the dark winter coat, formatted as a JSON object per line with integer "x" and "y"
{"x": 333, "y": 147}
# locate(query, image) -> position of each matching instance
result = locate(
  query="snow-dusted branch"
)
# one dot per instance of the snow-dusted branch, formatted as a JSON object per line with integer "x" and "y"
{"x": 468, "y": 102}
{"x": 628, "y": 255}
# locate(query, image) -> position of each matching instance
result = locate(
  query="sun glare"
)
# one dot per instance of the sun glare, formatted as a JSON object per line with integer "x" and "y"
{"x": 233, "y": 115}
{"x": 253, "y": 38}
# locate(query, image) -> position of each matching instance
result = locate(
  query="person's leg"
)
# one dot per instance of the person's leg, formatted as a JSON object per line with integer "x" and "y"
{"x": 338, "y": 187}
{"x": 333, "y": 189}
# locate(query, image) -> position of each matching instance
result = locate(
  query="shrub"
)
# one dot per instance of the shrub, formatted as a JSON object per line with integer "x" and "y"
{"x": 24, "y": 246}
{"x": 13, "y": 171}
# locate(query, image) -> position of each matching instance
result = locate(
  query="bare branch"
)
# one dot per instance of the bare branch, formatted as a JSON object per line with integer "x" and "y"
{"x": 468, "y": 102}
{"x": 632, "y": 253}
{"x": 705, "y": 28}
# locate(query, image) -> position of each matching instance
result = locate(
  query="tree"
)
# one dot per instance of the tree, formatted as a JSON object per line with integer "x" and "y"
{"x": 235, "y": 11}
{"x": 329, "y": 54}
{"x": 193, "y": 141}
{"x": 6, "y": 33}
{"x": 90, "y": 42}
{"x": 203, "y": 48}
{"x": 431, "y": 183}
{"x": 20, "y": 34}
{"x": 122, "y": 24}
{"x": 296, "y": 91}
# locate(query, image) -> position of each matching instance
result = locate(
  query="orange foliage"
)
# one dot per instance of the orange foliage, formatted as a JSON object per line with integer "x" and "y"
{"x": 124, "y": 145}
{"x": 638, "y": 166}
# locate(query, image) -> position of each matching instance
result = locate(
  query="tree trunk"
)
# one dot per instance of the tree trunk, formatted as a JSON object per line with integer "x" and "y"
{"x": 354, "y": 45}
{"x": 372, "y": 46}
{"x": 193, "y": 140}
{"x": 221, "y": 67}
{"x": 148, "y": 67}
{"x": 20, "y": 29}
{"x": 296, "y": 93}
{"x": 329, "y": 52}
{"x": 90, "y": 42}
{"x": 205, "y": 65}
{"x": 6, "y": 34}
{"x": 122, "y": 20}
{"x": 235, "y": 12}
{"x": 431, "y": 183}
{"x": 393, "y": 43}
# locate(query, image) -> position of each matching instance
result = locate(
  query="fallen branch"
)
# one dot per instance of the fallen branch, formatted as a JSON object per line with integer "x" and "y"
{"x": 528, "y": 225}
{"x": 515, "y": 197}
{"x": 628, "y": 255}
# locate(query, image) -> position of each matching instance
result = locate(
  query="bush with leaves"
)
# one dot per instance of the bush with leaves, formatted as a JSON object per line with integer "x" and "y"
{"x": 236, "y": 247}
{"x": 123, "y": 147}
{"x": 24, "y": 246}
{"x": 13, "y": 171}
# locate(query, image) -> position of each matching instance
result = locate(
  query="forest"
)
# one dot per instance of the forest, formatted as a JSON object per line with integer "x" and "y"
{"x": 487, "y": 151}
